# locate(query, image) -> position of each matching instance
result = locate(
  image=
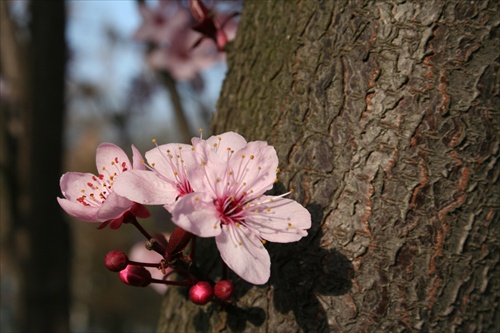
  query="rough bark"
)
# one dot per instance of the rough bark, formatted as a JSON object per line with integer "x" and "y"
{"x": 386, "y": 121}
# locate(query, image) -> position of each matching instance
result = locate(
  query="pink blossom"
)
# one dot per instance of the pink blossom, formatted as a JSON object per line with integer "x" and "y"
{"x": 183, "y": 61}
{"x": 91, "y": 198}
{"x": 161, "y": 23}
{"x": 213, "y": 26}
{"x": 168, "y": 29}
{"x": 229, "y": 181}
{"x": 164, "y": 182}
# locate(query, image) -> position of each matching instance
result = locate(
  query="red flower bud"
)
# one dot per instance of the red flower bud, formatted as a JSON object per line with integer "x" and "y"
{"x": 136, "y": 276}
{"x": 115, "y": 261}
{"x": 223, "y": 289}
{"x": 201, "y": 293}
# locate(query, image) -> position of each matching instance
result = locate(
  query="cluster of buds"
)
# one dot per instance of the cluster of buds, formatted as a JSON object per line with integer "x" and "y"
{"x": 202, "y": 292}
{"x": 134, "y": 273}
{"x": 184, "y": 38}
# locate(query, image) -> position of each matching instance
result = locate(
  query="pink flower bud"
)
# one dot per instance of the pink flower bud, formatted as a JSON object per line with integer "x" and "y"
{"x": 115, "y": 261}
{"x": 223, "y": 289}
{"x": 201, "y": 293}
{"x": 136, "y": 276}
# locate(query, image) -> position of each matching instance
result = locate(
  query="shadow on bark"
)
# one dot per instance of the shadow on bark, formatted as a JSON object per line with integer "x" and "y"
{"x": 301, "y": 273}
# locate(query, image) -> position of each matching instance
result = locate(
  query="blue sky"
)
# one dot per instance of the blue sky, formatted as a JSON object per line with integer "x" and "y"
{"x": 94, "y": 59}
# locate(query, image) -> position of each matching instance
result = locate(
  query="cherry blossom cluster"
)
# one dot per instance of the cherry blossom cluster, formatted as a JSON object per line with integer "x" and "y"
{"x": 212, "y": 188}
{"x": 184, "y": 40}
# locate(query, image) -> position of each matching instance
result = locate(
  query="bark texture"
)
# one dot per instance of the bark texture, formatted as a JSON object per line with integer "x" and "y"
{"x": 385, "y": 117}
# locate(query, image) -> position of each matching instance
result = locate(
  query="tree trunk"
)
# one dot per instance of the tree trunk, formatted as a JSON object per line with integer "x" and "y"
{"x": 46, "y": 271}
{"x": 385, "y": 118}
{"x": 37, "y": 236}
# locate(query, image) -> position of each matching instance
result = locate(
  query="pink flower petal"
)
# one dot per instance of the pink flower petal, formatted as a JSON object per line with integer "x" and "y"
{"x": 113, "y": 207}
{"x": 171, "y": 158}
{"x": 75, "y": 184}
{"x": 111, "y": 160}
{"x": 221, "y": 144}
{"x": 254, "y": 166}
{"x": 196, "y": 213}
{"x": 78, "y": 210}
{"x": 244, "y": 253}
{"x": 137, "y": 160}
{"x": 145, "y": 187}
{"x": 208, "y": 168}
{"x": 146, "y": 29}
{"x": 212, "y": 156}
{"x": 280, "y": 220}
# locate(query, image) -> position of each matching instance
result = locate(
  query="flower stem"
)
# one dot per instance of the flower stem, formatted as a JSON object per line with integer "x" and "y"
{"x": 143, "y": 264}
{"x": 155, "y": 245}
{"x": 174, "y": 283}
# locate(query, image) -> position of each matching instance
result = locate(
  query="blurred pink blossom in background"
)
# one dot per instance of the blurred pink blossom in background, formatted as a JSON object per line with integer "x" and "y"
{"x": 168, "y": 28}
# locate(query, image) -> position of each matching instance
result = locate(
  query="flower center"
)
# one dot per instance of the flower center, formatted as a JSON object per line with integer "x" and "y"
{"x": 100, "y": 186}
{"x": 184, "y": 188}
{"x": 230, "y": 210}
{"x": 174, "y": 161}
